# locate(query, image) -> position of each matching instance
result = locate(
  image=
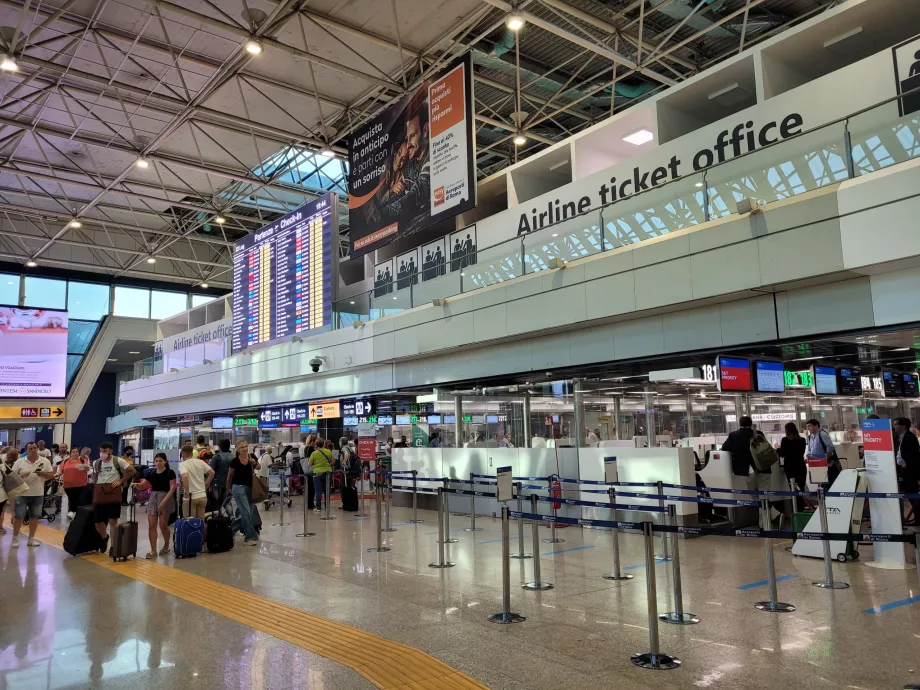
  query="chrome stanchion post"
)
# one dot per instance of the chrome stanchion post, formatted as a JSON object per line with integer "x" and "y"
{"x": 825, "y": 542}
{"x": 617, "y": 574}
{"x": 664, "y": 519}
{"x": 446, "y": 538}
{"x": 472, "y": 527}
{"x": 773, "y": 605}
{"x": 442, "y": 563}
{"x": 506, "y": 616}
{"x": 521, "y": 553}
{"x": 654, "y": 659}
{"x": 380, "y": 547}
{"x": 306, "y": 510}
{"x": 553, "y": 539}
{"x": 362, "y": 513}
{"x": 537, "y": 582}
{"x": 415, "y": 520}
{"x": 328, "y": 493}
{"x": 281, "y": 522}
{"x": 389, "y": 497}
{"x": 677, "y": 616}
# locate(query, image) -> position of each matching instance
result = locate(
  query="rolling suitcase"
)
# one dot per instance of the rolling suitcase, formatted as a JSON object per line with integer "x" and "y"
{"x": 124, "y": 538}
{"x": 219, "y": 533}
{"x": 188, "y": 535}
{"x": 349, "y": 499}
{"x": 82, "y": 536}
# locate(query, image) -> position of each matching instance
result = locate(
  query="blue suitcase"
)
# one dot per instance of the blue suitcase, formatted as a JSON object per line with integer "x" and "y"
{"x": 188, "y": 535}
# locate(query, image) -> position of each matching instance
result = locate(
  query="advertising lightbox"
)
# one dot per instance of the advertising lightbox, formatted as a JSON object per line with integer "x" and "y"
{"x": 33, "y": 353}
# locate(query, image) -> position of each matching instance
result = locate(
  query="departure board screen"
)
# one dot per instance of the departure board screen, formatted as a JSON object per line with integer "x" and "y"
{"x": 282, "y": 276}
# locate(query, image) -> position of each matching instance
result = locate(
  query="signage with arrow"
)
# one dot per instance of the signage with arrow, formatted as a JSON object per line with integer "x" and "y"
{"x": 15, "y": 413}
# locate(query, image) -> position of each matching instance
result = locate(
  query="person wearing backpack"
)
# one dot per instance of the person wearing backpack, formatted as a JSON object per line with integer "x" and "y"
{"x": 220, "y": 463}
{"x": 350, "y": 463}
{"x": 738, "y": 444}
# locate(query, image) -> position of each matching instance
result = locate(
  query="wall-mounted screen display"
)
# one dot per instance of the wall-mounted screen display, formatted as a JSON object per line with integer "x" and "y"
{"x": 770, "y": 377}
{"x": 477, "y": 419}
{"x": 734, "y": 374}
{"x": 909, "y": 386}
{"x": 33, "y": 353}
{"x": 891, "y": 384}
{"x": 350, "y": 421}
{"x": 385, "y": 420}
{"x": 848, "y": 382}
{"x": 434, "y": 419}
{"x": 282, "y": 276}
{"x": 825, "y": 380}
{"x": 222, "y": 423}
{"x": 403, "y": 420}
{"x": 450, "y": 419}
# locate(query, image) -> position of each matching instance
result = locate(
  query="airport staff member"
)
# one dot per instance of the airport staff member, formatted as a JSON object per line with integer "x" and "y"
{"x": 821, "y": 445}
{"x": 907, "y": 450}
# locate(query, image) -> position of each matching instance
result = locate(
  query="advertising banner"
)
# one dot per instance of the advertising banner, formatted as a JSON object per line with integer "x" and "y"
{"x": 414, "y": 164}
{"x": 33, "y": 353}
{"x": 420, "y": 437}
{"x": 367, "y": 442}
{"x": 881, "y": 469}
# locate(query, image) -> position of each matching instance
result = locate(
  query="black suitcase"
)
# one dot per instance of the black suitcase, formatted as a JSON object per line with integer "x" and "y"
{"x": 219, "y": 534}
{"x": 81, "y": 536}
{"x": 124, "y": 537}
{"x": 349, "y": 499}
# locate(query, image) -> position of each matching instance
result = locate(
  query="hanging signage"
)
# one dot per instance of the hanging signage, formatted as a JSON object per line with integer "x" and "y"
{"x": 324, "y": 410}
{"x": 798, "y": 379}
{"x": 734, "y": 374}
{"x": 53, "y": 412}
{"x": 882, "y": 472}
{"x": 222, "y": 423}
{"x": 245, "y": 421}
{"x": 357, "y": 408}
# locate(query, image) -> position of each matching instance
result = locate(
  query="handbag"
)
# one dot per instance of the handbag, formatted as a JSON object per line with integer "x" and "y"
{"x": 14, "y": 485}
{"x": 106, "y": 494}
{"x": 259, "y": 488}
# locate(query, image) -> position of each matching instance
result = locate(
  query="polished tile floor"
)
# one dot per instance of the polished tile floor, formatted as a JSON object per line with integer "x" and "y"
{"x": 67, "y": 623}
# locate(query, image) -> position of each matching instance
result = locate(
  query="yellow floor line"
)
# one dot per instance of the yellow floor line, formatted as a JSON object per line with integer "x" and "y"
{"x": 394, "y": 666}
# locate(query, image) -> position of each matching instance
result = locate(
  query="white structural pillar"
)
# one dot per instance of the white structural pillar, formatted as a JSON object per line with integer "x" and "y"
{"x": 650, "y": 415}
{"x": 526, "y": 412}
{"x": 458, "y": 420}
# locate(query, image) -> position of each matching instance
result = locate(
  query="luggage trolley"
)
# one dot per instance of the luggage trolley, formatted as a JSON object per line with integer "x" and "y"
{"x": 277, "y": 487}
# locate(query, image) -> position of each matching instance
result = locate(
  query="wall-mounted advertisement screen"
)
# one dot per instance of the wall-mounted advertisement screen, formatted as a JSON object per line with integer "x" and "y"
{"x": 222, "y": 423}
{"x": 414, "y": 164}
{"x": 770, "y": 377}
{"x": 825, "y": 380}
{"x": 734, "y": 374}
{"x": 282, "y": 276}
{"x": 33, "y": 353}
{"x": 848, "y": 382}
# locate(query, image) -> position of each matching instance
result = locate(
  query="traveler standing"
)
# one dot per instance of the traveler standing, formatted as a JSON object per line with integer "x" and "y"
{"x": 128, "y": 456}
{"x": 162, "y": 484}
{"x": 44, "y": 452}
{"x": 220, "y": 463}
{"x": 821, "y": 445}
{"x": 197, "y": 476}
{"x": 34, "y": 469}
{"x": 792, "y": 451}
{"x": 350, "y": 463}
{"x": 738, "y": 444}
{"x": 321, "y": 461}
{"x": 239, "y": 482}
{"x": 112, "y": 474}
{"x": 907, "y": 451}
{"x": 74, "y": 471}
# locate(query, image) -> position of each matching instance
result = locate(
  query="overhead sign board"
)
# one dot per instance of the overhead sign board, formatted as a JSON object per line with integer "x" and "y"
{"x": 52, "y": 412}
{"x": 363, "y": 407}
{"x": 734, "y": 374}
{"x": 325, "y": 410}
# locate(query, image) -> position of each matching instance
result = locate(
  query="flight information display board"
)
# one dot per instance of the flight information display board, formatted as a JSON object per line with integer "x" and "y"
{"x": 848, "y": 382}
{"x": 770, "y": 378}
{"x": 734, "y": 374}
{"x": 825, "y": 379}
{"x": 282, "y": 276}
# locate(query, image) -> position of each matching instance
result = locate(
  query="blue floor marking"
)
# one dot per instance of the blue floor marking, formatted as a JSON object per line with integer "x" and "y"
{"x": 574, "y": 548}
{"x": 762, "y": 583}
{"x": 893, "y": 605}
{"x": 642, "y": 565}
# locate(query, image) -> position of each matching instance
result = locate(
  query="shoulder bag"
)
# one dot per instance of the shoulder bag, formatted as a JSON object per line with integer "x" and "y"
{"x": 106, "y": 494}
{"x": 14, "y": 485}
{"x": 259, "y": 488}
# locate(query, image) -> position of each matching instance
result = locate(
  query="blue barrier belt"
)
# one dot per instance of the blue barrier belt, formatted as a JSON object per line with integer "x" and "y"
{"x": 750, "y": 492}
{"x": 849, "y": 494}
{"x": 592, "y": 504}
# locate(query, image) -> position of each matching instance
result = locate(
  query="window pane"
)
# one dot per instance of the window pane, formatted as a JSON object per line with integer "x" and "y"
{"x": 166, "y": 304}
{"x": 47, "y": 293}
{"x": 80, "y": 336}
{"x": 198, "y": 300}
{"x": 88, "y": 301}
{"x": 73, "y": 364}
{"x": 9, "y": 289}
{"x": 132, "y": 302}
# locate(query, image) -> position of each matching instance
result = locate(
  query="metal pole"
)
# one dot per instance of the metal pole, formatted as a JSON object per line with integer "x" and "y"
{"x": 520, "y": 509}
{"x": 446, "y": 536}
{"x": 825, "y": 542}
{"x": 654, "y": 659}
{"x": 649, "y": 397}
{"x": 616, "y": 418}
{"x": 678, "y": 616}
{"x": 528, "y": 431}
{"x": 617, "y": 574}
{"x": 537, "y": 582}
{"x": 773, "y": 605}
{"x": 506, "y": 616}
{"x": 917, "y": 554}
{"x": 306, "y": 509}
{"x": 442, "y": 563}
{"x": 328, "y": 492}
{"x": 363, "y": 514}
{"x": 689, "y": 413}
{"x": 458, "y": 420}
{"x": 380, "y": 547}
{"x": 281, "y": 522}
{"x": 472, "y": 527}
{"x": 578, "y": 401}
{"x": 664, "y": 519}
{"x": 553, "y": 539}
{"x": 389, "y": 497}
{"x": 415, "y": 520}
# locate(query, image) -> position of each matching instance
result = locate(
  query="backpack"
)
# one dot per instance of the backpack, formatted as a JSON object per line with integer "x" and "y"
{"x": 352, "y": 462}
{"x": 763, "y": 454}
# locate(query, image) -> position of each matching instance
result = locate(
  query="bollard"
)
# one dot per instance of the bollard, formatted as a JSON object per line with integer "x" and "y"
{"x": 677, "y": 616}
{"x": 828, "y": 567}
{"x": 553, "y": 539}
{"x": 520, "y": 509}
{"x": 664, "y": 518}
{"x": 442, "y": 563}
{"x": 388, "y": 487}
{"x": 773, "y": 605}
{"x": 446, "y": 536}
{"x": 361, "y": 513}
{"x": 537, "y": 583}
{"x": 506, "y": 616}
{"x": 654, "y": 659}
{"x": 472, "y": 527}
{"x": 281, "y": 522}
{"x": 306, "y": 510}
{"x": 415, "y": 520}
{"x": 617, "y": 574}
{"x": 380, "y": 547}
{"x": 328, "y": 492}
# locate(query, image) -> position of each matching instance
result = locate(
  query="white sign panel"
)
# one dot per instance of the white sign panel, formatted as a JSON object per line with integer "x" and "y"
{"x": 881, "y": 469}
{"x": 610, "y": 470}
{"x": 505, "y": 488}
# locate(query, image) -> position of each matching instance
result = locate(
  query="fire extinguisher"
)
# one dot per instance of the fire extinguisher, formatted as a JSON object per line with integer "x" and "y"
{"x": 555, "y": 490}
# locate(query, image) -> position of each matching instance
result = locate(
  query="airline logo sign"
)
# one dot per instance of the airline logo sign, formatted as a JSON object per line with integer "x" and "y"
{"x": 877, "y": 437}
{"x": 324, "y": 410}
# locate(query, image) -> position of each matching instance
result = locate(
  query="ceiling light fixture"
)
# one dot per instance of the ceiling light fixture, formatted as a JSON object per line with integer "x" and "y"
{"x": 133, "y": 353}
{"x": 253, "y": 46}
{"x": 31, "y": 264}
{"x": 639, "y": 137}
{"x": 151, "y": 260}
{"x": 515, "y": 22}
{"x": 142, "y": 162}
{"x": 220, "y": 220}
{"x": 519, "y": 139}
{"x": 204, "y": 285}
{"x": 327, "y": 152}
{"x": 112, "y": 359}
{"x": 699, "y": 184}
{"x": 75, "y": 224}
{"x": 8, "y": 64}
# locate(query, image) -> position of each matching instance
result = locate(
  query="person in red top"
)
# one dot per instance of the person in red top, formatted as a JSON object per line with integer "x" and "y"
{"x": 74, "y": 470}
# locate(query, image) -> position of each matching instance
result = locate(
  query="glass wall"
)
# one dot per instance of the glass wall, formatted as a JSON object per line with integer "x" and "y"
{"x": 87, "y": 300}
{"x": 165, "y": 304}
{"x": 46, "y": 292}
{"x": 198, "y": 300}
{"x": 9, "y": 288}
{"x": 133, "y": 302}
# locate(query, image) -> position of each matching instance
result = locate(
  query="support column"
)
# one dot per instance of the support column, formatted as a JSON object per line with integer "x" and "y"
{"x": 579, "y": 403}
{"x": 458, "y": 420}
{"x": 649, "y": 398}
{"x": 689, "y": 413}
{"x": 616, "y": 418}
{"x": 528, "y": 435}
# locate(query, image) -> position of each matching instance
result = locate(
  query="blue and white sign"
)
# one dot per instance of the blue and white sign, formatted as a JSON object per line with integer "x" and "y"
{"x": 505, "y": 484}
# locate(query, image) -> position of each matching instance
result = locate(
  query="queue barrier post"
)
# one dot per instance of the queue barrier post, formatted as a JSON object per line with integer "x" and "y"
{"x": 521, "y": 553}
{"x": 773, "y": 605}
{"x": 506, "y": 616}
{"x": 917, "y": 554}
{"x": 828, "y": 564}
{"x": 445, "y": 537}
{"x": 361, "y": 513}
{"x": 654, "y": 659}
{"x": 306, "y": 511}
{"x": 553, "y": 539}
{"x": 388, "y": 487}
{"x": 677, "y": 616}
{"x": 380, "y": 547}
{"x": 472, "y": 527}
{"x": 415, "y": 520}
{"x": 281, "y": 522}
{"x": 442, "y": 562}
{"x": 328, "y": 492}
{"x": 617, "y": 573}
{"x": 664, "y": 519}
{"x": 537, "y": 583}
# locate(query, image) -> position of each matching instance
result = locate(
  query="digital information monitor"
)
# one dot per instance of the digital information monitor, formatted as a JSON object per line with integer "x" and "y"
{"x": 770, "y": 377}
{"x": 734, "y": 374}
{"x": 825, "y": 380}
{"x": 282, "y": 276}
{"x": 848, "y": 382}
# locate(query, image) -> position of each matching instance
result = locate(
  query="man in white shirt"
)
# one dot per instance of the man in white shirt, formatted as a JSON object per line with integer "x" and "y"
{"x": 113, "y": 472}
{"x": 60, "y": 454}
{"x": 44, "y": 452}
{"x": 197, "y": 476}
{"x": 593, "y": 437}
{"x": 34, "y": 470}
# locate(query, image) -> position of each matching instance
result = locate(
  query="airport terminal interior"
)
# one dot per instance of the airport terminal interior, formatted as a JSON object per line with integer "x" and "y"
{"x": 512, "y": 344}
